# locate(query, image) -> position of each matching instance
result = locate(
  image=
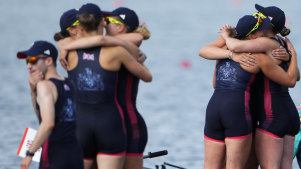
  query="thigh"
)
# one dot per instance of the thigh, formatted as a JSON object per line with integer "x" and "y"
{"x": 214, "y": 154}
{"x": 288, "y": 151}
{"x": 268, "y": 149}
{"x": 237, "y": 152}
{"x": 133, "y": 163}
{"x": 110, "y": 162}
{"x": 298, "y": 155}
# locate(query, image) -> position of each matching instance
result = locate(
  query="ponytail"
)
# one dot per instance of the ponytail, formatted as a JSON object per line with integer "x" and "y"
{"x": 285, "y": 31}
{"x": 60, "y": 35}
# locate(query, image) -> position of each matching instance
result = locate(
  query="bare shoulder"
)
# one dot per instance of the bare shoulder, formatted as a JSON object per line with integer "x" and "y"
{"x": 45, "y": 86}
{"x": 267, "y": 40}
{"x": 113, "y": 49}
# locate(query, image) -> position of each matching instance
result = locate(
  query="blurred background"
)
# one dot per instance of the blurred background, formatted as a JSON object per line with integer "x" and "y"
{"x": 173, "y": 105}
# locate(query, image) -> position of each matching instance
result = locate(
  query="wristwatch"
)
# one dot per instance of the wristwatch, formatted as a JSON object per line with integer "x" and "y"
{"x": 28, "y": 153}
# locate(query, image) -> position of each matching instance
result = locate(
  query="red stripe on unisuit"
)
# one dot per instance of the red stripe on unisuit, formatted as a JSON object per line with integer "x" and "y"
{"x": 130, "y": 107}
{"x": 247, "y": 98}
{"x": 268, "y": 133}
{"x": 45, "y": 161}
{"x": 118, "y": 106}
{"x": 117, "y": 154}
{"x": 211, "y": 139}
{"x": 134, "y": 154}
{"x": 239, "y": 137}
{"x": 267, "y": 101}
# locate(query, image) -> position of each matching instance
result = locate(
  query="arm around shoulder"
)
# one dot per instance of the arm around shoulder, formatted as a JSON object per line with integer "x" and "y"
{"x": 134, "y": 66}
{"x": 277, "y": 74}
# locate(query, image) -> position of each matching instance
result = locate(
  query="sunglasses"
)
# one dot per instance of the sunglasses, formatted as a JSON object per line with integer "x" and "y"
{"x": 73, "y": 25}
{"x": 112, "y": 20}
{"x": 260, "y": 16}
{"x": 33, "y": 59}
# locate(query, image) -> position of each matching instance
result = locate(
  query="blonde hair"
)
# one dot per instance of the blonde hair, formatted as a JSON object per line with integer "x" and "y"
{"x": 143, "y": 30}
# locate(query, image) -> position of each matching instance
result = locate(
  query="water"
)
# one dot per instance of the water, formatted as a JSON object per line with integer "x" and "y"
{"x": 173, "y": 105}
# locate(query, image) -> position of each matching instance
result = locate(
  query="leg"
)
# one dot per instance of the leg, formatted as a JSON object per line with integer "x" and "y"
{"x": 133, "y": 162}
{"x": 88, "y": 164}
{"x": 268, "y": 150}
{"x": 298, "y": 155}
{"x": 214, "y": 154}
{"x": 110, "y": 162}
{"x": 252, "y": 162}
{"x": 238, "y": 151}
{"x": 288, "y": 150}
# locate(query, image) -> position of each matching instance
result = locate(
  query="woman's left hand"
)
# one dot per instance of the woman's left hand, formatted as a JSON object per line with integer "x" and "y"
{"x": 280, "y": 54}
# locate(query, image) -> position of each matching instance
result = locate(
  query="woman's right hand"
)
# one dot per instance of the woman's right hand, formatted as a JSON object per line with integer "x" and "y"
{"x": 224, "y": 31}
{"x": 63, "y": 55}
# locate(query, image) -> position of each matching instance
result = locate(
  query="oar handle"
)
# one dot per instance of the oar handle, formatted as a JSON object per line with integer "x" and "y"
{"x": 156, "y": 154}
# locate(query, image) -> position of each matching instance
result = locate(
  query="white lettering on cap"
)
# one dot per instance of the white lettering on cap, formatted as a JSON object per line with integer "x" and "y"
{"x": 122, "y": 16}
{"x": 47, "y": 52}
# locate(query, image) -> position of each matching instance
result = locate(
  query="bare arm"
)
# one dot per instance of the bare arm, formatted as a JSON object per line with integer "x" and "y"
{"x": 46, "y": 100}
{"x": 217, "y": 50}
{"x": 261, "y": 44}
{"x": 135, "y": 38}
{"x": 134, "y": 67}
{"x": 99, "y": 40}
{"x": 276, "y": 73}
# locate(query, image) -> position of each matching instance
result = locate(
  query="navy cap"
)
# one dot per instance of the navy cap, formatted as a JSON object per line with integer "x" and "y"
{"x": 247, "y": 23}
{"x": 39, "y": 48}
{"x": 128, "y": 17}
{"x": 67, "y": 19}
{"x": 276, "y": 15}
{"x": 90, "y": 8}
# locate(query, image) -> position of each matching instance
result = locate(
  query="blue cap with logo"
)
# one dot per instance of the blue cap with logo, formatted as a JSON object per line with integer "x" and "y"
{"x": 91, "y": 8}
{"x": 247, "y": 23}
{"x": 39, "y": 48}
{"x": 128, "y": 17}
{"x": 68, "y": 19}
{"x": 276, "y": 15}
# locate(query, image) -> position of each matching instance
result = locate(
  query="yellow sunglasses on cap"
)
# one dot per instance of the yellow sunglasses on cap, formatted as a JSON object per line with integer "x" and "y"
{"x": 112, "y": 20}
{"x": 260, "y": 16}
{"x": 73, "y": 25}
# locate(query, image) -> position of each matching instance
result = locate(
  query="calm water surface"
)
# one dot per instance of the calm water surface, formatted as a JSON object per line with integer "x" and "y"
{"x": 173, "y": 105}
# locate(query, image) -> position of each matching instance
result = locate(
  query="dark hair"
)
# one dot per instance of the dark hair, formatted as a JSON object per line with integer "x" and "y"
{"x": 88, "y": 22}
{"x": 285, "y": 31}
{"x": 61, "y": 35}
